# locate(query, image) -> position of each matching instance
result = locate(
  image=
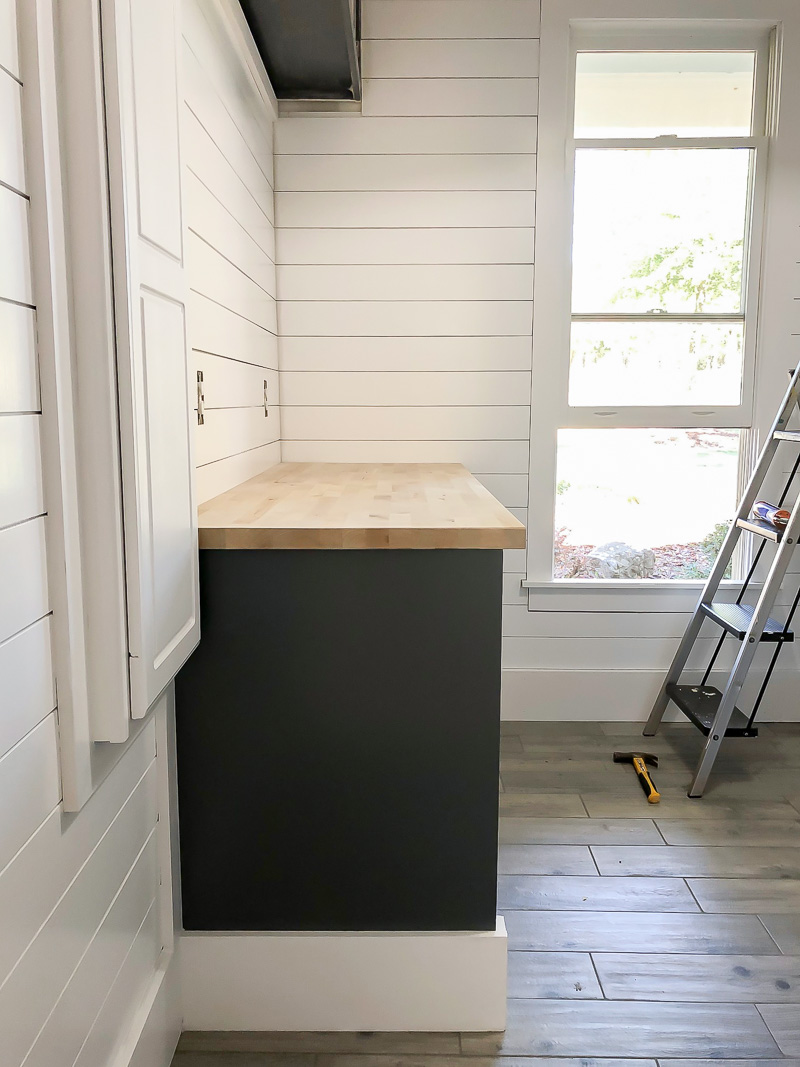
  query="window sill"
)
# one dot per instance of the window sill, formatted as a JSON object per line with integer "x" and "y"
{"x": 576, "y": 594}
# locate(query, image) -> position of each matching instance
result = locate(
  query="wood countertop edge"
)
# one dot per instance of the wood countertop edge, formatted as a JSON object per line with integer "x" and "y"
{"x": 367, "y": 538}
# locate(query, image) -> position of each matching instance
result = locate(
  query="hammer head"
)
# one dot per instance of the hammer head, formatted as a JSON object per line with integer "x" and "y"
{"x": 627, "y": 757}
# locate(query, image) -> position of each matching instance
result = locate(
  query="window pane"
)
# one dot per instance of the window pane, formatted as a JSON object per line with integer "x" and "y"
{"x": 655, "y": 363}
{"x": 649, "y": 94}
{"x": 643, "y": 503}
{"x": 659, "y": 229}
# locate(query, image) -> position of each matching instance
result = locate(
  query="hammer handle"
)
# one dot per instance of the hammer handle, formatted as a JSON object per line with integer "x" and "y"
{"x": 646, "y": 782}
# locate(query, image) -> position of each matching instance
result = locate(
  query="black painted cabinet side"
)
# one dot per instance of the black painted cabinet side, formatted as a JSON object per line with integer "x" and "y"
{"x": 338, "y": 741}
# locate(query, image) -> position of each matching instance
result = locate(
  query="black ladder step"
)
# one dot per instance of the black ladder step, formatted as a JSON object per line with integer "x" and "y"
{"x": 735, "y": 618}
{"x": 787, "y": 435}
{"x": 699, "y": 704}
{"x": 763, "y": 529}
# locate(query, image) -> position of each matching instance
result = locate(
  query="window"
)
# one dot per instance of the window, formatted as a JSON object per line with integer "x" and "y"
{"x": 644, "y": 367}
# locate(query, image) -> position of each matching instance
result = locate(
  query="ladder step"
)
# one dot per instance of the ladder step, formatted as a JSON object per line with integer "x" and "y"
{"x": 699, "y": 704}
{"x": 787, "y": 435}
{"x": 735, "y": 618}
{"x": 763, "y": 529}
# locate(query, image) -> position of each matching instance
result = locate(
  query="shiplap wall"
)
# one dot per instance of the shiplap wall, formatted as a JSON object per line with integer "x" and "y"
{"x": 230, "y": 250}
{"x": 79, "y": 923}
{"x": 405, "y": 241}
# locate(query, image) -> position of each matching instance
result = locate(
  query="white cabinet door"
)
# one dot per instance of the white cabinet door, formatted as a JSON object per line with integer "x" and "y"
{"x": 141, "y": 50}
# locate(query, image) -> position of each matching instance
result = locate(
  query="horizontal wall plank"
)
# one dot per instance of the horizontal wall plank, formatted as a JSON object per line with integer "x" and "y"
{"x": 628, "y": 625}
{"x": 227, "y": 383}
{"x": 451, "y": 96}
{"x": 223, "y": 474}
{"x": 514, "y": 558}
{"x": 9, "y": 52}
{"x": 23, "y": 576}
{"x": 510, "y": 489}
{"x": 77, "y": 1007}
{"x": 404, "y": 353}
{"x": 217, "y": 329}
{"x": 12, "y": 161}
{"x": 26, "y": 682}
{"x": 380, "y": 389}
{"x": 359, "y": 135}
{"x": 209, "y": 219}
{"x": 380, "y": 318}
{"x": 228, "y": 431}
{"x": 513, "y": 593}
{"x": 413, "y": 424}
{"x": 19, "y": 382}
{"x": 413, "y": 245}
{"x": 205, "y": 160}
{"x": 211, "y": 275}
{"x": 405, "y": 173}
{"x": 32, "y": 885}
{"x": 30, "y": 787}
{"x": 449, "y": 18}
{"x": 15, "y": 272}
{"x": 21, "y": 493}
{"x": 405, "y": 209}
{"x": 479, "y": 457}
{"x": 30, "y": 992}
{"x": 493, "y": 58}
{"x": 493, "y": 281}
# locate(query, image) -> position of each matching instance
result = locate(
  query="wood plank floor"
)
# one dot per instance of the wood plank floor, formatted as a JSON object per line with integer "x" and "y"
{"x": 639, "y": 936}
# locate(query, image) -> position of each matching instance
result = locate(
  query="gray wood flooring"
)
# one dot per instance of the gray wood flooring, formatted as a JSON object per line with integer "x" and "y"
{"x": 639, "y": 935}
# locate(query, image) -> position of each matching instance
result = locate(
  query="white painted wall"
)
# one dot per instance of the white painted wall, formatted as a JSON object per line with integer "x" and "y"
{"x": 80, "y": 932}
{"x": 230, "y": 251}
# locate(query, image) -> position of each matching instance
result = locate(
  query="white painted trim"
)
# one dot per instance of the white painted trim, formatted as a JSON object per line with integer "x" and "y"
{"x": 232, "y": 17}
{"x": 345, "y": 981}
{"x": 156, "y": 1027}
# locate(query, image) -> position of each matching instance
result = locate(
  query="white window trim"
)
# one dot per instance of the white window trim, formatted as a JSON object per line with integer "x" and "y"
{"x": 772, "y": 255}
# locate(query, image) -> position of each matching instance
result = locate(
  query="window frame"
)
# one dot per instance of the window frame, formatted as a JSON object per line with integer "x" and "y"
{"x": 580, "y": 25}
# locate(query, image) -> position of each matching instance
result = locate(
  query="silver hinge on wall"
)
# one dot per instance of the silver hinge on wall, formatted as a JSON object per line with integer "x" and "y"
{"x": 201, "y": 400}
{"x": 266, "y": 400}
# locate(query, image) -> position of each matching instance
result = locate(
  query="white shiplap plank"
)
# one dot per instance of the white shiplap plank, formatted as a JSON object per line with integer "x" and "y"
{"x": 15, "y": 273}
{"x": 519, "y": 622}
{"x": 205, "y": 160}
{"x": 480, "y": 457}
{"x": 229, "y": 431}
{"x": 21, "y": 494}
{"x": 513, "y": 591}
{"x": 405, "y": 209}
{"x": 214, "y": 328}
{"x": 413, "y": 424}
{"x": 420, "y": 19}
{"x": 514, "y": 558}
{"x": 12, "y": 165}
{"x": 412, "y": 245}
{"x": 30, "y": 992}
{"x": 593, "y": 654}
{"x": 223, "y": 474}
{"x": 407, "y": 282}
{"x": 450, "y": 96}
{"x": 357, "y": 135}
{"x": 29, "y": 787}
{"x": 9, "y": 50}
{"x": 415, "y": 389}
{"x": 32, "y": 884}
{"x": 71, "y": 1019}
{"x": 19, "y": 382}
{"x": 209, "y": 219}
{"x": 23, "y": 576}
{"x": 405, "y": 353}
{"x": 213, "y": 276}
{"x": 405, "y": 173}
{"x": 26, "y": 682}
{"x": 493, "y": 58}
{"x": 227, "y": 383}
{"x": 510, "y": 489}
{"x": 403, "y": 318}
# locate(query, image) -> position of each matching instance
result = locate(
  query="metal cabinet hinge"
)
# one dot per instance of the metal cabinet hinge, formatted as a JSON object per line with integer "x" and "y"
{"x": 201, "y": 400}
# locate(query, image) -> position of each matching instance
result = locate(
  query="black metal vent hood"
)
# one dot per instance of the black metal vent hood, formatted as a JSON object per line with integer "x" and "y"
{"x": 310, "y": 47}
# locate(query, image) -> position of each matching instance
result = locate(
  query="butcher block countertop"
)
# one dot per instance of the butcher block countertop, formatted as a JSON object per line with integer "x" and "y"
{"x": 354, "y": 505}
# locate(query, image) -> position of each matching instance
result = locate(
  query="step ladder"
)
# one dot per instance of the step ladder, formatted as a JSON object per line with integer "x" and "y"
{"x": 712, "y": 711}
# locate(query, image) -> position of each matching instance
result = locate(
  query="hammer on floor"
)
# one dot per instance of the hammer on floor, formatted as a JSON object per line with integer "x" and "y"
{"x": 640, "y": 761}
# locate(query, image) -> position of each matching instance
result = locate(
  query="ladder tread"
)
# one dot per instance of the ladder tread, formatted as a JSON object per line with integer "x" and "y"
{"x": 736, "y": 618}
{"x": 699, "y": 703}
{"x": 763, "y": 529}
{"x": 787, "y": 435}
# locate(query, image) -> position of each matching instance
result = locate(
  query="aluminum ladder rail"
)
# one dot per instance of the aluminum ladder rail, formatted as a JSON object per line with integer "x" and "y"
{"x": 759, "y": 620}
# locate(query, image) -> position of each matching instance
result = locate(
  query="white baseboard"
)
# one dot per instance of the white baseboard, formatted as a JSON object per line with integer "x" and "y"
{"x": 622, "y": 695}
{"x": 157, "y": 1024}
{"x": 345, "y": 982}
